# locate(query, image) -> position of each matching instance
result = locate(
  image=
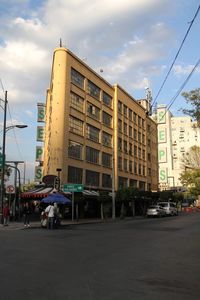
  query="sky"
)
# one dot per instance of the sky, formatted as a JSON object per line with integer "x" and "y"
{"x": 132, "y": 42}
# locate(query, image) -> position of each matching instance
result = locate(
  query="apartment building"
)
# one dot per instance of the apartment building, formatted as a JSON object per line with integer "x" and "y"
{"x": 175, "y": 137}
{"x": 96, "y": 134}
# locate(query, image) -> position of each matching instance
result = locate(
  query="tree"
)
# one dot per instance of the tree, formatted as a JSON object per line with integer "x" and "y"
{"x": 192, "y": 158}
{"x": 193, "y": 98}
{"x": 191, "y": 179}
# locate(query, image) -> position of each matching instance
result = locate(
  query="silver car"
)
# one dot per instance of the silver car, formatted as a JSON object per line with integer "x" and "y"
{"x": 156, "y": 211}
{"x": 169, "y": 207}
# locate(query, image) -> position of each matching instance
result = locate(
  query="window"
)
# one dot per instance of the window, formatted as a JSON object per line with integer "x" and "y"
{"x": 133, "y": 183}
{"x": 149, "y": 142}
{"x": 149, "y": 171}
{"x": 143, "y": 139}
{"x": 120, "y": 125}
{"x": 139, "y": 121}
{"x": 139, "y": 137}
{"x": 106, "y": 160}
{"x": 130, "y": 149}
{"x": 106, "y": 139}
{"x": 93, "y": 111}
{"x": 119, "y": 107}
{"x": 76, "y": 102}
{"x": 149, "y": 157}
{"x": 135, "y": 117}
{"x": 107, "y": 99}
{"x": 75, "y": 175}
{"x": 143, "y": 154}
{"x": 125, "y": 111}
{"x": 77, "y": 78}
{"x": 106, "y": 181}
{"x": 92, "y": 155}
{"x": 135, "y": 134}
{"x": 125, "y": 147}
{"x": 142, "y": 185}
{"x": 91, "y": 178}
{"x": 135, "y": 150}
{"x": 75, "y": 150}
{"x": 130, "y": 132}
{"x": 139, "y": 152}
{"x": 119, "y": 144}
{"x": 144, "y": 170}
{"x": 92, "y": 133}
{"x": 143, "y": 123}
{"x": 130, "y": 115}
{"x": 135, "y": 167}
{"x": 125, "y": 164}
{"x": 130, "y": 166}
{"x": 93, "y": 90}
{"x": 125, "y": 128}
{"x": 75, "y": 125}
{"x": 139, "y": 169}
{"x": 122, "y": 182}
{"x": 119, "y": 163}
{"x": 107, "y": 119}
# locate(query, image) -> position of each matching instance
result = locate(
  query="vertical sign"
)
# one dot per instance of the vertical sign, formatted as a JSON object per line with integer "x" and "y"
{"x": 40, "y": 134}
{"x": 38, "y": 173}
{"x": 161, "y": 116}
{"x": 41, "y": 112}
{"x": 162, "y": 155}
{"x": 162, "y": 175}
{"x": 39, "y": 153}
{"x": 162, "y": 135}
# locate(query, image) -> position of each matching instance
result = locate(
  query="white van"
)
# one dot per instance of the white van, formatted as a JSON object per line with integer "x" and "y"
{"x": 169, "y": 207}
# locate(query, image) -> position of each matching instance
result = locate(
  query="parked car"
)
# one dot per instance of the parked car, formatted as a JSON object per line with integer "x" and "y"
{"x": 156, "y": 211}
{"x": 169, "y": 207}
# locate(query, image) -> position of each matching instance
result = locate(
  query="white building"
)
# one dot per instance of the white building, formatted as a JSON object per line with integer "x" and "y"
{"x": 175, "y": 136}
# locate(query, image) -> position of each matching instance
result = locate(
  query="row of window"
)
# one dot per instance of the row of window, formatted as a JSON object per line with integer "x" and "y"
{"x": 132, "y": 116}
{"x": 75, "y": 150}
{"x": 92, "y": 179}
{"x": 128, "y": 130}
{"x": 129, "y": 166}
{"x": 92, "y": 89}
{"x": 92, "y": 133}
{"x": 93, "y": 111}
{"x": 136, "y": 151}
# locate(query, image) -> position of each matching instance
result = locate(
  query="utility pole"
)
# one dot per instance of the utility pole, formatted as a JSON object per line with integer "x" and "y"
{"x": 3, "y": 151}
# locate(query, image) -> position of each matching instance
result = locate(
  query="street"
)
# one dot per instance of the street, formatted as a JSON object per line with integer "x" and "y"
{"x": 131, "y": 259}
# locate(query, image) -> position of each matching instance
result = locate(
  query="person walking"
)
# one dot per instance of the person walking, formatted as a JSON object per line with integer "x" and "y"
{"x": 6, "y": 214}
{"x": 50, "y": 210}
{"x": 26, "y": 214}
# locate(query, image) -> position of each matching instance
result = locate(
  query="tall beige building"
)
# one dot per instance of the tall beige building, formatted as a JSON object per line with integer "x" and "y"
{"x": 96, "y": 133}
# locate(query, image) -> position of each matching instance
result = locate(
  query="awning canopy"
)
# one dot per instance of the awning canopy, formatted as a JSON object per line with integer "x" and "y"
{"x": 90, "y": 193}
{"x": 39, "y": 193}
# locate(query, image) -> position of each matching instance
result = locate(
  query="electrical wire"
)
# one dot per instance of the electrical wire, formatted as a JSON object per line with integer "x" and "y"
{"x": 181, "y": 88}
{"x": 16, "y": 141}
{"x": 183, "y": 41}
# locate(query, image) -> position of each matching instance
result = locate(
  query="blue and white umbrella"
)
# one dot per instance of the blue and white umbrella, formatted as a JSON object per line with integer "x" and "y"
{"x": 56, "y": 198}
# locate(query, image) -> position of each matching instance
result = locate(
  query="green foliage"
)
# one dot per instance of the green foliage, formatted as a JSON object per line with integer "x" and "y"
{"x": 191, "y": 179}
{"x": 127, "y": 194}
{"x": 193, "y": 98}
{"x": 192, "y": 159}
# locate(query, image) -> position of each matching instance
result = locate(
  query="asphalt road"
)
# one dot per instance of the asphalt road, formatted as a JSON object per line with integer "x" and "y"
{"x": 135, "y": 259}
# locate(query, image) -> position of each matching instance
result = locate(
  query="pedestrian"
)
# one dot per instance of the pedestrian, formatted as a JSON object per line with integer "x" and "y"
{"x": 26, "y": 214}
{"x": 50, "y": 212}
{"x": 6, "y": 214}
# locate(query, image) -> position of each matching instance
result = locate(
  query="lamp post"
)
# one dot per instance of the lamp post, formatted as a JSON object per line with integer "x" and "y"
{"x": 5, "y": 129}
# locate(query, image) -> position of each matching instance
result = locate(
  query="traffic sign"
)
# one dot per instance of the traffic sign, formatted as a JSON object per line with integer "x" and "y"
{"x": 10, "y": 189}
{"x": 1, "y": 159}
{"x": 72, "y": 187}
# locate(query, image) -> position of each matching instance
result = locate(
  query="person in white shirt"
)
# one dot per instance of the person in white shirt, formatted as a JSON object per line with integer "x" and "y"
{"x": 50, "y": 211}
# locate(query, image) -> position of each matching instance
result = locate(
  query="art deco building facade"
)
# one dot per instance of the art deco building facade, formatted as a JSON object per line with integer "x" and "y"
{"x": 95, "y": 132}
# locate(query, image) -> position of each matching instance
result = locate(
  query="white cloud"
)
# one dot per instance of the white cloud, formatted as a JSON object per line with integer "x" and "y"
{"x": 183, "y": 70}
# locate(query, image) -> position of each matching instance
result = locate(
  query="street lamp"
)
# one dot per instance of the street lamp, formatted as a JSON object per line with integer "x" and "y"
{"x": 5, "y": 129}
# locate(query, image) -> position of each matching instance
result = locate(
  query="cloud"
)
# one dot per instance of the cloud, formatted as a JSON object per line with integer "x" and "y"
{"x": 184, "y": 70}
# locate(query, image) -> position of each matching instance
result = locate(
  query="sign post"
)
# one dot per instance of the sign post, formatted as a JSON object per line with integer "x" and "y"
{"x": 78, "y": 188}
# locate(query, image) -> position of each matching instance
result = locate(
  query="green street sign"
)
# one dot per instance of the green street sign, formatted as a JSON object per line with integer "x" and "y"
{"x": 72, "y": 187}
{"x": 1, "y": 159}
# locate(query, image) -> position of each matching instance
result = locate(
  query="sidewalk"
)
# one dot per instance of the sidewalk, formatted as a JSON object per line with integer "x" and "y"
{"x": 16, "y": 225}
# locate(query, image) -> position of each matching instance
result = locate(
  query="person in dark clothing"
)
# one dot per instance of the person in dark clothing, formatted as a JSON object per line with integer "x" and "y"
{"x": 26, "y": 214}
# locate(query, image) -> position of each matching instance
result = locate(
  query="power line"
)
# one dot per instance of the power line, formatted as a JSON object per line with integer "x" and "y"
{"x": 181, "y": 88}
{"x": 191, "y": 23}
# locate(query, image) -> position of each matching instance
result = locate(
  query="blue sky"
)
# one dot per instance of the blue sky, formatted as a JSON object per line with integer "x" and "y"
{"x": 133, "y": 42}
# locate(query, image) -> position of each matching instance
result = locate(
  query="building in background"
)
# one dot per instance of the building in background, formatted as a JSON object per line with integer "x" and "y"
{"x": 175, "y": 137}
{"x": 96, "y": 134}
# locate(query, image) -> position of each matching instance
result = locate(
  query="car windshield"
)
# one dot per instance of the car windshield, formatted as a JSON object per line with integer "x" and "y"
{"x": 153, "y": 207}
{"x": 163, "y": 204}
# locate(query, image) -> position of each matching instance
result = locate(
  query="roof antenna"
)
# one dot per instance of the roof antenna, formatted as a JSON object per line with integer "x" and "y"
{"x": 60, "y": 42}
